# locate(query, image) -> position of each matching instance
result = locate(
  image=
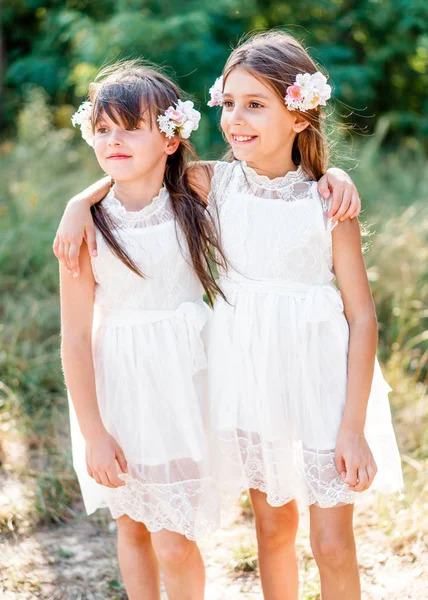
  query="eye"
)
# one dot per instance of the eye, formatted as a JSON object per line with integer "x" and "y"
{"x": 227, "y": 103}
{"x": 138, "y": 126}
{"x": 256, "y": 105}
{"x": 101, "y": 129}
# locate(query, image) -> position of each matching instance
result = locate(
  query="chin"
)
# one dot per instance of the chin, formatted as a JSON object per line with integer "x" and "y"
{"x": 242, "y": 154}
{"x": 120, "y": 172}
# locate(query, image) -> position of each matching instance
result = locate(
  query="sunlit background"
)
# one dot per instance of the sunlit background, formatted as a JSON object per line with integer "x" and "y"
{"x": 376, "y": 54}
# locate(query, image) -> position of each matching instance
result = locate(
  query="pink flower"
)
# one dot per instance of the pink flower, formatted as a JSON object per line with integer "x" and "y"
{"x": 294, "y": 92}
{"x": 307, "y": 92}
{"x": 176, "y": 116}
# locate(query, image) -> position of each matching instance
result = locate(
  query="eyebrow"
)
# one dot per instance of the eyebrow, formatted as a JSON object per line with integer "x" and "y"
{"x": 250, "y": 96}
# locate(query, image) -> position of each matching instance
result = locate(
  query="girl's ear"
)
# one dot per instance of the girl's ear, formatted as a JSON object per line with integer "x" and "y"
{"x": 172, "y": 145}
{"x": 300, "y": 123}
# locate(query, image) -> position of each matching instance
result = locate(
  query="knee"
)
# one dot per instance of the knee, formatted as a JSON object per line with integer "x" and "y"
{"x": 132, "y": 532}
{"x": 278, "y": 530}
{"x": 172, "y": 550}
{"x": 333, "y": 551}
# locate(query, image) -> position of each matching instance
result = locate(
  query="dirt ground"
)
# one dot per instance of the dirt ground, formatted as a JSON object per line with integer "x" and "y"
{"x": 77, "y": 561}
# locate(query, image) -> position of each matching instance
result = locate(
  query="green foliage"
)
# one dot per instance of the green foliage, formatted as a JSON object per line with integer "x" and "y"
{"x": 244, "y": 558}
{"x": 38, "y": 172}
{"x": 376, "y": 51}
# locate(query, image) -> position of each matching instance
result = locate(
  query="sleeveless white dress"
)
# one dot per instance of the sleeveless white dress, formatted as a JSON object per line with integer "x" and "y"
{"x": 278, "y": 349}
{"x": 150, "y": 369}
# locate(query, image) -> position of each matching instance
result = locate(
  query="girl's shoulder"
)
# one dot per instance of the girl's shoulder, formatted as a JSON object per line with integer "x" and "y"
{"x": 200, "y": 174}
{"x": 222, "y": 175}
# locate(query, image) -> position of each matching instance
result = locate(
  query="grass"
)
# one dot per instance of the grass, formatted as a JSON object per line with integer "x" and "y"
{"x": 41, "y": 171}
{"x": 244, "y": 558}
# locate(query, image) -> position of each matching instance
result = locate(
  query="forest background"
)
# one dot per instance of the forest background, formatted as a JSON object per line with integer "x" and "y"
{"x": 376, "y": 54}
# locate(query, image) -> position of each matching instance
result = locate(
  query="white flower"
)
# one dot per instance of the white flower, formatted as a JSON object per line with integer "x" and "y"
{"x": 186, "y": 130}
{"x": 308, "y": 92}
{"x": 82, "y": 117}
{"x": 319, "y": 82}
{"x": 181, "y": 120}
{"x": 166, "y": 126}
{"x": 216, "y": 92}
{"x": 303, "y": 80}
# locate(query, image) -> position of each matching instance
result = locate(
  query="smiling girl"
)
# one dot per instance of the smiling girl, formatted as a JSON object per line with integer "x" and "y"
{"x": 299, "y": 406}
{"x": 132, "y": 349}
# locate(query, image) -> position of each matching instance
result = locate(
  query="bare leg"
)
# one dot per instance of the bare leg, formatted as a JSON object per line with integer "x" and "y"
{"x": 182, "y": 565}
{"x": 333, "y": 545}
{"x": 276, "y": 536}
{"x": 137, "y": 560}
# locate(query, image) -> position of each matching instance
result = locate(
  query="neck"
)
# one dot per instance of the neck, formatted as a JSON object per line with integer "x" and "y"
{"x": 135, "y": 194}
{"x": 275, "y": 165}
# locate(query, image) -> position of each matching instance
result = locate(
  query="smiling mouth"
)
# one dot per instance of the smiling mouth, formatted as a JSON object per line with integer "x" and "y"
{"x": 243, "y": 139}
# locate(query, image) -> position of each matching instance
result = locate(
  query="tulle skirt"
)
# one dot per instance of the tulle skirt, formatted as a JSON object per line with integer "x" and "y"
{"x": 150, "y": 370}
{"x": 277, "y": 384}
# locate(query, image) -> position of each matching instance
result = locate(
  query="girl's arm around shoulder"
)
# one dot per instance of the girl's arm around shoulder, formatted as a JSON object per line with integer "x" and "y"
{"x": 77, "y": 225}
{"x": 354, "y": 459}
{"x": 77, "y": 302}
{"x": 346, "y": 203}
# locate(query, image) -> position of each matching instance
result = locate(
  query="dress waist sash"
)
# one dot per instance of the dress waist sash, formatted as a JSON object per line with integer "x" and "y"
{"x": 320, "y": 301}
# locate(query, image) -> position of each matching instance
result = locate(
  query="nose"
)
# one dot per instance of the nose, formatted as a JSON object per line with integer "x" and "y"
{"x": 236, "y": 117}
{"x": 114, "y": 137}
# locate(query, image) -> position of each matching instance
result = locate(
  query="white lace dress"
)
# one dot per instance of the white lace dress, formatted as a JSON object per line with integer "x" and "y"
{"x": 278, "y": 350}
{"x": 150, "y": 370}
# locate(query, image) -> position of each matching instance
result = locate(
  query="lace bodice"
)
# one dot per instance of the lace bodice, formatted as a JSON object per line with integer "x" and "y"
{"x": 272, "y": 228}
{"x": 157, "y": 245}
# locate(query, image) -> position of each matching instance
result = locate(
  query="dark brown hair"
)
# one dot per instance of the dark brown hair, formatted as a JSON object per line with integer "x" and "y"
{"x": 276, "y": 58}
{"x": 124, "y": 91}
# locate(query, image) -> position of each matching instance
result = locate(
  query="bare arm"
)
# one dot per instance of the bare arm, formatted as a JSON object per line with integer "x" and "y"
{"x": 346, "y": 203}
{"x": 77, "y": 225}
{"x": 77, "y": 299}
{"x": 353, "y": 456}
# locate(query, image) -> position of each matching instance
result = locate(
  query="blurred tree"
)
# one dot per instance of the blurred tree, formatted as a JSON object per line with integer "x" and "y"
{"x": 376, "y": 51}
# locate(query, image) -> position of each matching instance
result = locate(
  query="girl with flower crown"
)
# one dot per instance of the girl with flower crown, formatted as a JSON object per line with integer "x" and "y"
{"x": 299, "y": 406}
{"x": 132, "y": 348}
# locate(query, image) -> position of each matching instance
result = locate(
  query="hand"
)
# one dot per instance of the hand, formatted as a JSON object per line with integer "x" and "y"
{"x": 76, "y": 225}
{"x": 346, "y": 201}
{"x": 103, "y": 454}
{"x": 354, "y": 460}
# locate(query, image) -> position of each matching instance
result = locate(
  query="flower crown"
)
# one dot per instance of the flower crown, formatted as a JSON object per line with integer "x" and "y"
{"x": 216, "y": 92}
{"x": 181, "y": 120}
{"x": 83, "y": 118}
{"x": 307, "y": 92}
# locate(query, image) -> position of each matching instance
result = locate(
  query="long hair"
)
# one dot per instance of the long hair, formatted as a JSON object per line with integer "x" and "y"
{"x": 276, "y": 58}
{"x": 123, "y": 91}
